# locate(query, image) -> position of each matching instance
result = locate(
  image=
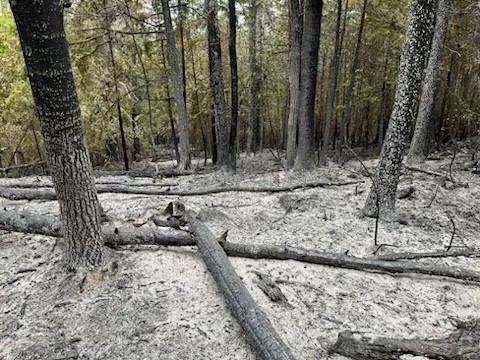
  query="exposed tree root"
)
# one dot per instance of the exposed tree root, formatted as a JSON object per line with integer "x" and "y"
{"x": 49, "y": 194}
{"x": 124, "y": 234}
{"x": 462, "y": 344}
{"x": 346, "y": 262}
{"x": 260, "y": 333}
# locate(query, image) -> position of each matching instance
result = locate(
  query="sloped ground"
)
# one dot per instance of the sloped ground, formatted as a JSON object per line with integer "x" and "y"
{"x": 163, "y": 304}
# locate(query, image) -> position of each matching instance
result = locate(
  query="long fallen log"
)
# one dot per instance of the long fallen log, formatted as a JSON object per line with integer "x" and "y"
{"x": 430, "y": 254}
{"x": 49, "y": 194}
{"x": 260, "y": 333}
{"x": 127, "y": 234}
{"x": 345, "y": 261}
{"x": 114, "y": 235}
{"x": 462, "y": 344}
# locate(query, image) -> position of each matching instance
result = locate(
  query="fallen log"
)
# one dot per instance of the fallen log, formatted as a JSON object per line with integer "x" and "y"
{"x": 431, "y": 254}
{"x": 145, "y": 173}
{"x": 428, "y": 172}
{"x": 49, "y": 185}
{"x": 22, "y": 166}
{"x": 345, "y": 261}
{"x": 128, "y": 234}
{"x": 114, "y": 235}
{"x": 461, "y": 344}
{"x": 260, "y": 333}
{"x": 49, "y": 194}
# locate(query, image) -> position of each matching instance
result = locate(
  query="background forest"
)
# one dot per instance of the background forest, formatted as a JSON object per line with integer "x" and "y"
{"x": 121, "y": 66}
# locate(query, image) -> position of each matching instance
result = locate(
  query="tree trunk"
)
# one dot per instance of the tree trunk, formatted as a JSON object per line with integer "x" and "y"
{"x": 184, "y": 146}
{"x": 332, "y": 87}
{"x": 253, "y": 118}
{"x": 415, "y": 50}
{"x": 305, "y": 158}
{"x": 294, "y": 80}
{"x": 216, "y": 82}
{"x": 169, "y": 108}
{"x": 351, "y": 86}
{"x": 419, "y": 145}
{"x": 232, "y": 48}
{"x": 45, "y": 48}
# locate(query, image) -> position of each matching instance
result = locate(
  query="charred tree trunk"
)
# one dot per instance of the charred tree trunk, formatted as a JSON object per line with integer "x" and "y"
{"x": 232, "y": 48}
{"x": 45, "y": 49}
{"x": 351, "y": 86}
{"x": 419, "y": 145}
{"x": 332, "y": 87}
{"x": 178, "y": 91}
{"x": 415, "y": 49}
{"x": 253, "y": 118}
{"x": 305, "y": 158}
{"x": 294, "y": 80}
{"x": 216, "y": 81}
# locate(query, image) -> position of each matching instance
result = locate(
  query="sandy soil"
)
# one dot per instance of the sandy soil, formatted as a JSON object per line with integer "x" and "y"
{"x": 163, "y": 304}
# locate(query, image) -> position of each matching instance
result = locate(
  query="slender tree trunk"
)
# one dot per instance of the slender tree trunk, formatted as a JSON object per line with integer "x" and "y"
{"x": 181, "y": 18}
{"x": 415, "y": 49}
{"x": 294, "y": 80}
{"x": 332, "y": 87}
{"x": 42, "y": 37}
{"x": 184, "y": 146}
{"x": 305, "y": 158}
{"x": 216, "y": 82}
{"x": 351, "y": 86}
{"x": 232, "y": 48}
{"x": 419, "y": 145}
{"x": 169, "y": 108}
{"x": 253, "y": 117}
{"x": 383, "y": 100}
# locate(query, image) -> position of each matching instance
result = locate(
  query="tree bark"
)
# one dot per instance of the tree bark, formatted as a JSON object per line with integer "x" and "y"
{"x": 305, "y": 157}
{"x": 113, "y": 235}
{"x": 462, "y": 344}
{"x": 419, "y": 145}
{"x": 184, "y": 146}
{"x": 259, "y": 331}
{"x": 232, "y": 48}
{"x": 294, "y": 80}
{"x": 223, "y": 162}
{"x": 253, "y": 118}
{"x": 415, "y": 49}
{"x": 332, "y": 87}
{"x": 42, "y": 37}
{"x": 351, "y": 87}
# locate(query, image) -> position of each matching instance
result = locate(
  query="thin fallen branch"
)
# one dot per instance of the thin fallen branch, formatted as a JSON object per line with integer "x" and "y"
{"x": 260, "y": 333}
{"x": 432, "y": 254}
{"x": 345, "y": 261}
{"x": 49, "y": 194}
{"x": 145, "y": 173}
{"x": 22, "y": 166}
{"x": 453, "y": 231}
{"x": 461, "y": 344}
{"x": 428, "y": 172}
{"x": 114, "y": 235}
{"x": 46, "y": 185}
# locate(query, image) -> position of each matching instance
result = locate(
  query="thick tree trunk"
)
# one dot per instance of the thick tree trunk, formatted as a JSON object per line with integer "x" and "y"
{"x": 419, "y": 145}
{"x": 42, "y": 37}
{"x": 232, "y": 48}
{"x": 415, "y": 50}
{"x": 184, "y": 146}
{"x": 253, "y": 118}
{"x": 259, "y": 331}
{"x": 223, "y": 162}
{"x": 351, "y": 86}
{"x": 305, "y": 158}
{"x": 294, "y": 80}
{"x": 332, "y": 87}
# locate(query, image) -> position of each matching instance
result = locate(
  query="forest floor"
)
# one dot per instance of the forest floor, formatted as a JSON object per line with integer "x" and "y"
{"x": 162, "y": 303}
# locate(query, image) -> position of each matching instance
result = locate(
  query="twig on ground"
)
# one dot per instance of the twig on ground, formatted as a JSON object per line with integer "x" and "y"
{"x": 453, "y": 231}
